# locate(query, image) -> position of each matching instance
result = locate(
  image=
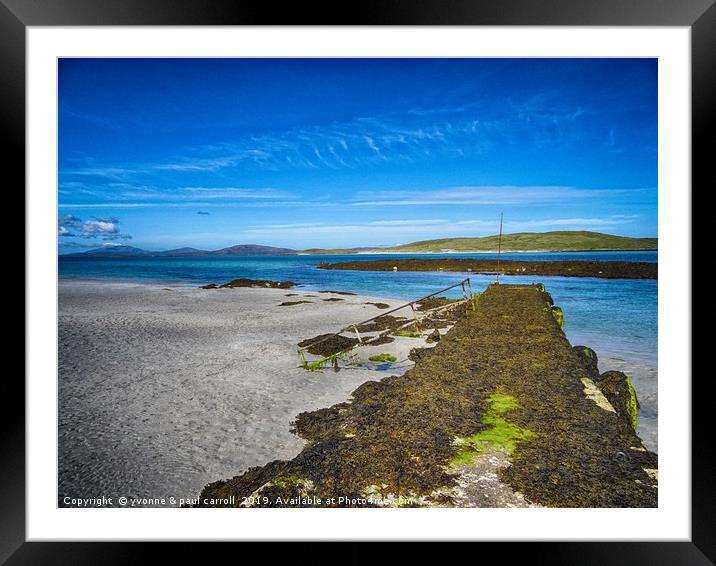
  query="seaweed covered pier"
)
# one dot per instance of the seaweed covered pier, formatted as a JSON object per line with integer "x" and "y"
{"x": 502, "y": 412}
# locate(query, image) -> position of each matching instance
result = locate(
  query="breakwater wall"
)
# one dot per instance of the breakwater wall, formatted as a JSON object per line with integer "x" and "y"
{"x": 599, "y": 269}
{"x": 503, "y": 411}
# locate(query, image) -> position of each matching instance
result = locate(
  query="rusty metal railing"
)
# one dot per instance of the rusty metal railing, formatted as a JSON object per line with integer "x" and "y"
{"x": 467, "y": 298}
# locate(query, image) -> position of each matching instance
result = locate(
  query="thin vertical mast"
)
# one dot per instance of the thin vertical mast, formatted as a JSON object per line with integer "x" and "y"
{"x": 499, "y": 250}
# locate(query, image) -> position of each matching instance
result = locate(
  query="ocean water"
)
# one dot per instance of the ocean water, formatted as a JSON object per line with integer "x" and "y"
{"x": 619, "y": 312}
{"x": 300, "y": 268}
{"x": 615, "y": 317}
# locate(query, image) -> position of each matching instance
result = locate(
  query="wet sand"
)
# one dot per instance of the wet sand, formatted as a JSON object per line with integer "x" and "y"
{"x": 163, "y": 389}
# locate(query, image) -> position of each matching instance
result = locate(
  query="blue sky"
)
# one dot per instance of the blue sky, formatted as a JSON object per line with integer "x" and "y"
{"x": 164, "y": 153}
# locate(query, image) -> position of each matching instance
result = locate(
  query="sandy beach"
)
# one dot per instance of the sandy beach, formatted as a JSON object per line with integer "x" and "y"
{"x": 163, "y": 389}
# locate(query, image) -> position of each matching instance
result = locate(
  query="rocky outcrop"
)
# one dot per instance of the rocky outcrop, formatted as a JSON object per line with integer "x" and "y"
{"x": 589, "y": 359}
{"x": 618, "y": 389}
{"x": 252, "y": 283}
{"x": 327, "y": 344}
{"x": 434, "y": 337}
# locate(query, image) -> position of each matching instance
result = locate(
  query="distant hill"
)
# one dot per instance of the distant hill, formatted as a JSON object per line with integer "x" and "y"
{"x": 522, "y": 241}
{"x": 129, "y": 251}
{"x": 251, "y": 249}
{"x": 112, "y": 251}
{"x": 181, "y": 252}
{"x": 526, "y": 241}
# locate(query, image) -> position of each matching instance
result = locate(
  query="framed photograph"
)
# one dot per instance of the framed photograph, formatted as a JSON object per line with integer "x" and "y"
{"x": 424, "y": 275}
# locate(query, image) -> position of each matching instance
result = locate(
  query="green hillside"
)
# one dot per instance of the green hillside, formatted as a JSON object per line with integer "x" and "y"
{"x": 524, "y": 241}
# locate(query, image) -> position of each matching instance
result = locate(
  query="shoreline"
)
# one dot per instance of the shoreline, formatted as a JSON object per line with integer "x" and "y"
{"x": 371, "y": 252}
{"x": 546, "y": 251}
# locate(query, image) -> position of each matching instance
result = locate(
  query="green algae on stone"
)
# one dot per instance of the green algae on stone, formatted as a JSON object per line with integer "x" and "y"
{"x": 558, "y": 316}
{"x": 408, "y": 334}
{"x": 289, "y": 481}
{"x": 316, "y": 365}
{"x": 383, "y": 358}
{"x": 632, "y": 405}
{"x": 502, "y": 434}
{"x": 618, "y": 388}
{"x": 501, "y": 402}
{"x": 475, "y": 299}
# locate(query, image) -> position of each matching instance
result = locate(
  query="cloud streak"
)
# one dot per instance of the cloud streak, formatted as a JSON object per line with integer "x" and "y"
{"x": 127, "y": 195}
{"x": 402, "y": 137}
{"x": 485, "y": 195}
{"x": 439, "y": 227}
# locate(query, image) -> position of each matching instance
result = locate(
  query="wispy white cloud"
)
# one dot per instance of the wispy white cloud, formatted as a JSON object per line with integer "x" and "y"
{"x": 285, "y": 226}
{"x": 217, "y": 203}
{"x": 319, "y": 227}
{"x": 197, "y": 164}
{"x": 383, "y": 229}
{"x": 78, "y": 205}
{"x": 484, "y": 195}
{"x": 416, "y": 222}
{"x": 571, "y": 222}
{"x": 407, "y": 136}
{"x": 371, "y": 144}
{"x": 484, "y": 223}
{"x": 437, "y": 227}
{"x": 227, "y": 193}
{"x": 118, "y": 173}
{"x": 126, "y": 195}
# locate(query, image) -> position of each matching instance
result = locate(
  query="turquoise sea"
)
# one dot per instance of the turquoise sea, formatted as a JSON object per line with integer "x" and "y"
{"x": 620, "y": 312}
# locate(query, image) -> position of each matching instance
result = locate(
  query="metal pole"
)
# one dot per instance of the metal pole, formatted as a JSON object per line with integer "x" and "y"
{"x": 499, "y": 250}
{"x": 472, "y": 295}
{"x": 357, "y": 334}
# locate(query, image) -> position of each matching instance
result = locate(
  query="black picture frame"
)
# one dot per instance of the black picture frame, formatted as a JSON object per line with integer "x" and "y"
{"x": 699, "y": 15}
